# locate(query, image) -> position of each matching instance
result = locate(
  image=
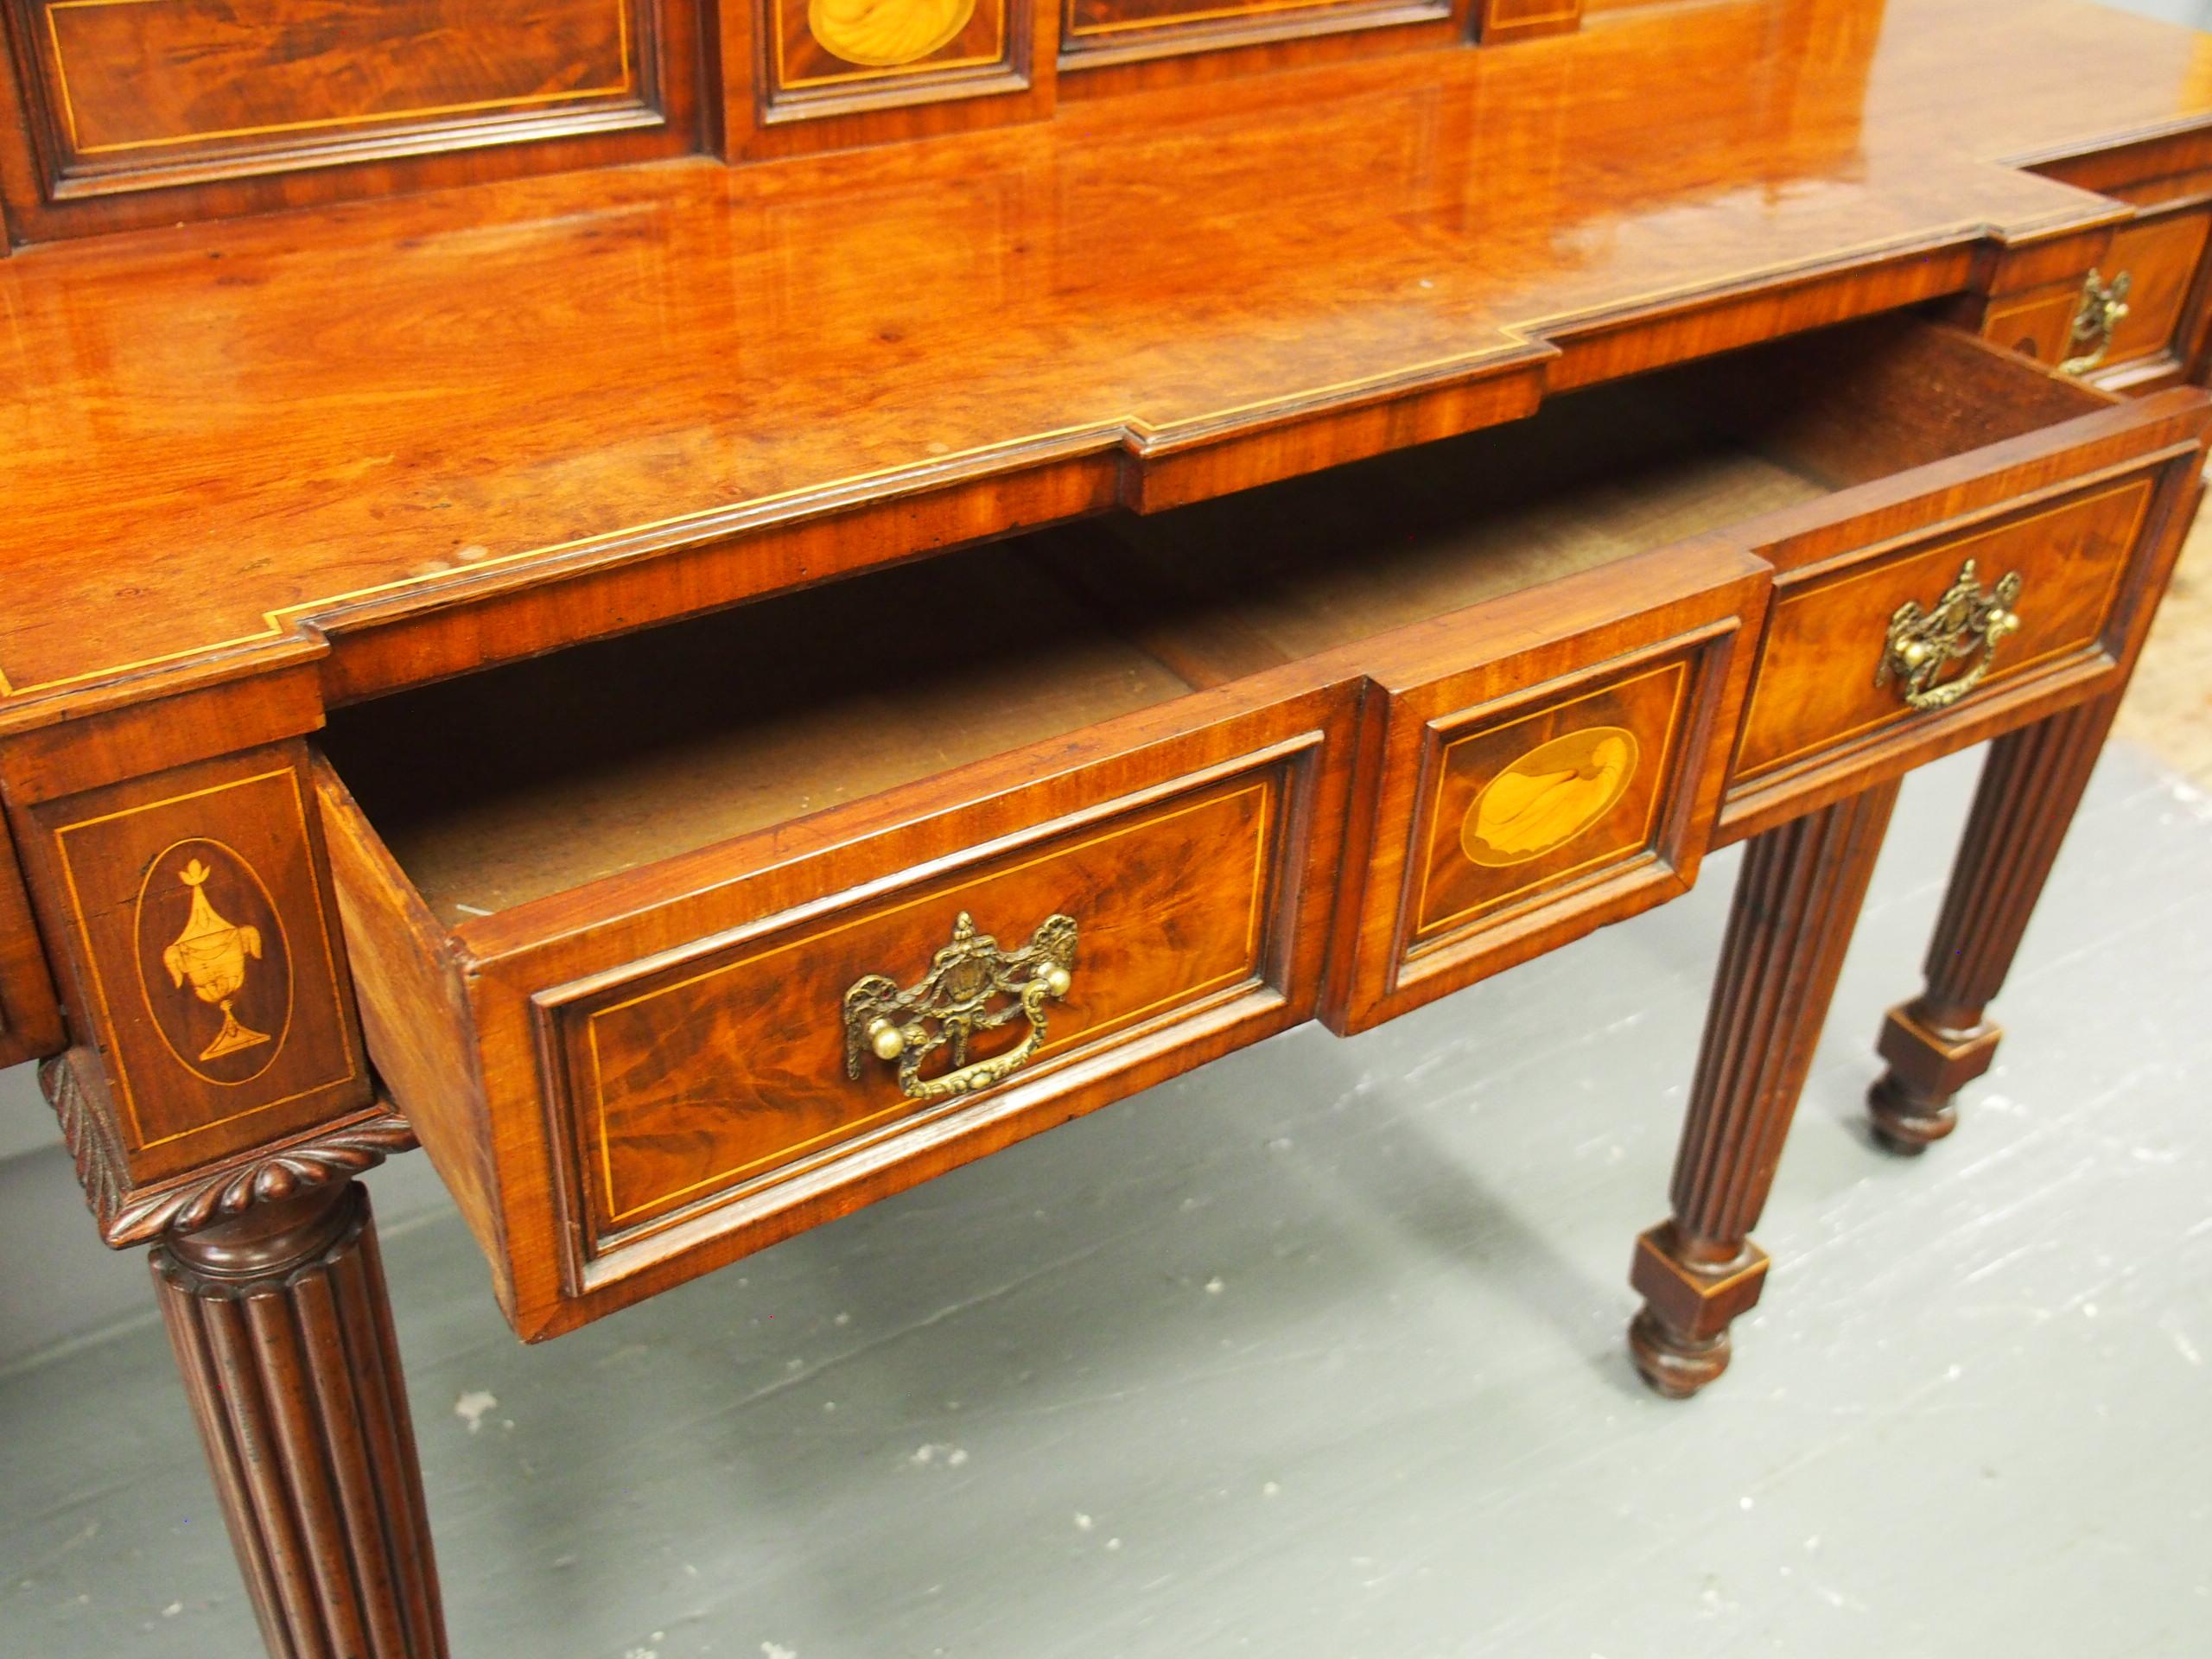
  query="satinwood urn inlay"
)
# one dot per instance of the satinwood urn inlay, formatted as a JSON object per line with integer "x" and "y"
{"x": 213, "y": 962}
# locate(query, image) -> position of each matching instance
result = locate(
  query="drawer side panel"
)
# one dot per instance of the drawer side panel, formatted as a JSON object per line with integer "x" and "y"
{"x": 31, "y": 1018}
{"x": 415, "y": 1015}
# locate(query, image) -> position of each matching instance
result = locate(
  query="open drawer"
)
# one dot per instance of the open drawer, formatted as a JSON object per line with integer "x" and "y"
{"x": 651, "y": 1005}
{"x": 675, "y": 944}
{"x": 1562, "y": 776}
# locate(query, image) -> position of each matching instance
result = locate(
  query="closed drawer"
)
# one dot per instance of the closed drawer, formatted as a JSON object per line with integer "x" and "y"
{"x": 2161, "y": 256}
{"x": 686, "y": 942}
{"x": 2138, "y": 319}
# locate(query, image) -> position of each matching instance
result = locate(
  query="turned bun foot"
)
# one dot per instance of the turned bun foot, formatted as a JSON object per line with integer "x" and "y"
{"x": 1905, "y": 1120}
{"x": 1674, "y": 1365}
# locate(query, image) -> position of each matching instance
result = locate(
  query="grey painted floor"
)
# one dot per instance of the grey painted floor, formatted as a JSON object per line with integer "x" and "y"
{"x": 1317, "y": 1353}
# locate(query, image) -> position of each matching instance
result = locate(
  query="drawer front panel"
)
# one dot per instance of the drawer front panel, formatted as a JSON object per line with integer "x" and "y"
{"x": 1525, "y": 803}
{"x": 1819, "y": 684}
{"x": 209, "y": 966}
{"x": 1526, "y": 796}
{"x": 716, "y": 1072}
{"x": 2160, "y": 257}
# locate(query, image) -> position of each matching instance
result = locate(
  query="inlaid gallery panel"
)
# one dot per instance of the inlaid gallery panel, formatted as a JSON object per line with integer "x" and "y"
{"x": 127, "y": 94}
{"x": 820, "y": 57}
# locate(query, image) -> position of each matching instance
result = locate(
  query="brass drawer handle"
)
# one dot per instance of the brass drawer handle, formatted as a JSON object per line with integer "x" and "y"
{"x": 2103, "y": 307}
{"x": 1966, "y": 622}
{"x": 959, "y": 997}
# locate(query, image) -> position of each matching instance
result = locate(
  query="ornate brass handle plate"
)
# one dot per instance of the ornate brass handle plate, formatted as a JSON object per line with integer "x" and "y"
{"x": 2103, "y": 305}
{"x": 1968, "y": 621}
{"x": 972, "y": 985}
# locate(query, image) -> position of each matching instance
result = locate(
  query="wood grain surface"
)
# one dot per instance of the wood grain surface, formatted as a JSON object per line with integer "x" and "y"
{"x": 205, "y": 453}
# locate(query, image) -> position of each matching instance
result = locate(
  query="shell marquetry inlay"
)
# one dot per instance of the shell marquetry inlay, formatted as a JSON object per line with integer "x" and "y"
{"x": 887, "y": 34}
{"x": 1549, "y": 796}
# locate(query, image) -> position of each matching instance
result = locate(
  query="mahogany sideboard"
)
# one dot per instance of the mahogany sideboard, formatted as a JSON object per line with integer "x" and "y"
{"x": 709, "y": 610}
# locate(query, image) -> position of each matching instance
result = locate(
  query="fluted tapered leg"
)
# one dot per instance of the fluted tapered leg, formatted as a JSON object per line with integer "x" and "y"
{"x": 284, "y": 1333}
{"x": 1940, "y": 1041}
{"x": 1796, "y": 902}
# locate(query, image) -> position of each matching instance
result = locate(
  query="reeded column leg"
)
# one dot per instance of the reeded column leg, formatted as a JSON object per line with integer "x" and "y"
{"x": 1939, "y": 1042}
{"x": 1796, "y": 902}
{"x": 284, "y": 1333}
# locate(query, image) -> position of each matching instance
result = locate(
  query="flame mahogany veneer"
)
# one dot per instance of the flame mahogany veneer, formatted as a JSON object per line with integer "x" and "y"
{"x": 1272, "y": 513}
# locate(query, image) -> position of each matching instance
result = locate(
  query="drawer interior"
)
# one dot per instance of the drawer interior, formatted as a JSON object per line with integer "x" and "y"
{"x": 555, "y": 772}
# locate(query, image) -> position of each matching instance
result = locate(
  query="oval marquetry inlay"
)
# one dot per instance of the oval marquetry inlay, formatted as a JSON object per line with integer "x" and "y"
{"x": 885, "y": 34}
{"x": 1549, "y": 796}
{"x": 214, "y": 963}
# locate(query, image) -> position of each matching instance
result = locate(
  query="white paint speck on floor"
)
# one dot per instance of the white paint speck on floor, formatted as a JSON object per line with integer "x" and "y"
{"x": 1317, "y": 1352}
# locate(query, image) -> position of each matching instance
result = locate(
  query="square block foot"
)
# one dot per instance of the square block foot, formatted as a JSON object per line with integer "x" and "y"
{"x": 1694, "y": 1301}
{"x": 1931, "y": 1064}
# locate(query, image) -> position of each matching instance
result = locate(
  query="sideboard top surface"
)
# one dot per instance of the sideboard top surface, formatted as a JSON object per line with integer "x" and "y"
{"x": 228, "y": 443}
